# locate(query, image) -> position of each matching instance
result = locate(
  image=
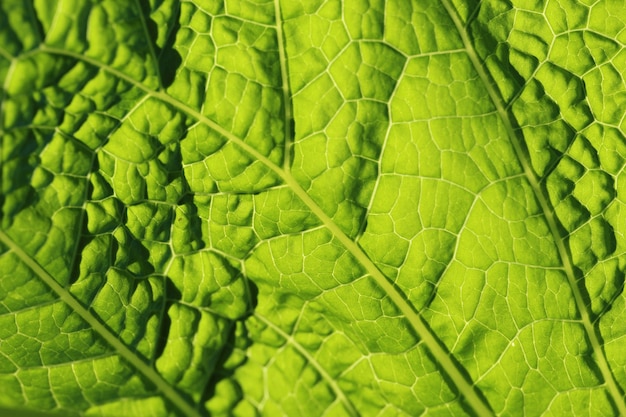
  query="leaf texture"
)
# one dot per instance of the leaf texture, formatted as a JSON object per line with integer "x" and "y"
{"x": 312, "y": 208}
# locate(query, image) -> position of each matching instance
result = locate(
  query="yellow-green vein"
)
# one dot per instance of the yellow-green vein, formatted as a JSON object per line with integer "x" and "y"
{"x": 548, "y": 213}
{"x": 112, "y": 339}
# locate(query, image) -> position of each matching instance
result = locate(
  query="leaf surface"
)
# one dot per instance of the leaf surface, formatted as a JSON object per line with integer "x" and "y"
{"x": 320, "y": 208}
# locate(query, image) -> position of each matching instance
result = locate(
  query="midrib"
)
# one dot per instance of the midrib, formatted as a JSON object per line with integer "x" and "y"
{"x": 546, "y": 209}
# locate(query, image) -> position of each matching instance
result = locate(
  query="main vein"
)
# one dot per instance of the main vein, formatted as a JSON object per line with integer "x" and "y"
{"x": 548, "y": 213}
{"x": 111, "y": 338}
{"x": 282, "y": 54}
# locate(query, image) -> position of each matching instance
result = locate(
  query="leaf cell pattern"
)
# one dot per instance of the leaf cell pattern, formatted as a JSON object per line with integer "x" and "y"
{"x": 322, "y": 208}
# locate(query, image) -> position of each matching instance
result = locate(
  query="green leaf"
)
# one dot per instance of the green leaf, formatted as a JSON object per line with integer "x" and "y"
{"x": 319, "y": 208}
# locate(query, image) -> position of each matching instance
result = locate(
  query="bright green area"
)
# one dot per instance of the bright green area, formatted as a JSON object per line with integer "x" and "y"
{"x": 312, "y": 208}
